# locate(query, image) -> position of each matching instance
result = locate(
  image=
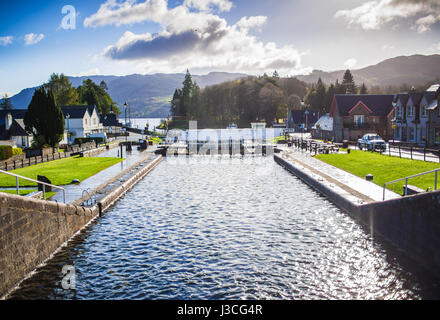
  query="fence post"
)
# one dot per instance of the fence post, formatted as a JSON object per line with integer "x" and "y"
{"x": 16, "y": 185}
{"x": 406, "y": 186}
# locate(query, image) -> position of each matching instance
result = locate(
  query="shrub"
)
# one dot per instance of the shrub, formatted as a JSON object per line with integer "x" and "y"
{"x": 16, "y": 151}
{"x": 84, "y": 140}
{"x": 5, "y": 152}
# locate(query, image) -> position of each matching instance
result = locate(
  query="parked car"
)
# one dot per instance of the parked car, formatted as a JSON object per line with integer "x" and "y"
{"x": 372, "y": 141}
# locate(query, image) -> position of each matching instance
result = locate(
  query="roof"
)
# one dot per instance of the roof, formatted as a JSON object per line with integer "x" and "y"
{"x": 15, "y": 113}
{"x": 429, "y": 96}
{"x": 77, "y": 111}
{"x": 324, "y": 123}
{"x": 403, "y": 97}
{"x": 18, "y": 128}
{"x": 379, "y": 104}
{"x": 416, "y": 97}
{"x": 434, "y": 88}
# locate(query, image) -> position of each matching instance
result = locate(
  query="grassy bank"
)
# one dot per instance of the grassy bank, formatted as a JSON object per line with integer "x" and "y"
{"x": 26, "y": 191}
{"x": 383, "y": 168}
{"x": 60, "y": 172}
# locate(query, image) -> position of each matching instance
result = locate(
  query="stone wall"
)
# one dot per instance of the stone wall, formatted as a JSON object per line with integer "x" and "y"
{"x": 31, "y": 230}
{"x": 410, "y": 223}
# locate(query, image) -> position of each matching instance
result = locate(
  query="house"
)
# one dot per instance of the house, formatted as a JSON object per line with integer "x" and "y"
{"x": 81, "y": 121}
{"x": 301, "y": 119}
{"x": 110, "y": 123}
{"x": 323, "y": 128}
{"x": 357, "y": 114}
{"x": 12, "y": 129}
{"x": 417, "y": 117}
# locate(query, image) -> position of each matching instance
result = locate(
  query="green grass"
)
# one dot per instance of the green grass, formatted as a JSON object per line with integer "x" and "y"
{"x": 384, "y": 168}
{"x": 156, "y": 140}
{"x": 23, "y": 192}
{"x": 60, "y": 172}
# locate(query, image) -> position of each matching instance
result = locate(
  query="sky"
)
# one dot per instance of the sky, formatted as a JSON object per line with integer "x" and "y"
{"x": 120, "y": 37}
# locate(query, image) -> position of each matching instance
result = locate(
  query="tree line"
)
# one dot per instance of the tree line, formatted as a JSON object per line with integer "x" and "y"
{"x": 263, "y": 98}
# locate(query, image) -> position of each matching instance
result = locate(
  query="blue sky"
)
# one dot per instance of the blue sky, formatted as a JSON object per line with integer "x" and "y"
{"x": 252, "y": 36}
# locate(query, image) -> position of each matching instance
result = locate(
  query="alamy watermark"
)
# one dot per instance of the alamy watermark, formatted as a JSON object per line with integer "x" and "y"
{"x": 69, "y": 277}
{"x": 69, "y": 20}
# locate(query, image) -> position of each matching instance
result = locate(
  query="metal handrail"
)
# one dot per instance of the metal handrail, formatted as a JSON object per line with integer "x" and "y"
{"x": 409, "y": 177}
{"x": 38, "y": 182}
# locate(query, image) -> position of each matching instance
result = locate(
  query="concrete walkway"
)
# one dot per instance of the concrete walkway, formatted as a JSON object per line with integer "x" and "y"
{"x": 74, "y": 192}
{"x": 352, "y": 187}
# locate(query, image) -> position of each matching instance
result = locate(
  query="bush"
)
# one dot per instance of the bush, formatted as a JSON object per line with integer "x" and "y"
{"x": 84, "y": 140}
{"x": 16, "y": 151}
{"x": 5, "y": 152}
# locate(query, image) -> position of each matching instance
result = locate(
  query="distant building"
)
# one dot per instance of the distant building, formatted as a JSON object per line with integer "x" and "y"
{"x": 323, "y": 128}
{"x": 354, "y": 115}
{"x": 81, "y": 121}
{"x": 301, "y": 119}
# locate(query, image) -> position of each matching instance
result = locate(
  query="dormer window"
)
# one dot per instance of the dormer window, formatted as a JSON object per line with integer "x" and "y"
{"x": 410, "y": 111}
{"x": 424, "y": 112}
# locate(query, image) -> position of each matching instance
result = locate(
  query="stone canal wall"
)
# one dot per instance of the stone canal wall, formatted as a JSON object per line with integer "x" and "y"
{"x": 31, "y": 230}
{"x": 411, "y": 223}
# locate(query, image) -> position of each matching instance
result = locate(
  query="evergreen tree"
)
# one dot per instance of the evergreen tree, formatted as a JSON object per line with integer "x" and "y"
{"x": 92, "y": 94}
{"x": 275, "y": 75}
{"x": 6, "y": 103}
{"x": 348, "y": 83}
{"x": 175, "y": 102}
{"x": 186, "y": 93}
{"x": 363, "y": 89}
{"x": 44, "y": 119}
{"x": 103, "y": 85}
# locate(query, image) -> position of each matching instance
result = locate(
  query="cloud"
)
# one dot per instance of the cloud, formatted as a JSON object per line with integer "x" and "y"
{"x": 373, "y": 15}
{"x": 209, "y": 5}
{"x": 350, "y": 63}
{"x": 91, "y": 72}
{"x": 4, "y": 41}
{"x": 193, "y": 38}
{"x": 32, "y": 38}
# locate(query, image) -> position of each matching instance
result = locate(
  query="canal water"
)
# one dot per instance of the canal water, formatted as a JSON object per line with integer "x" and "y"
{"x": 227, "y": 228}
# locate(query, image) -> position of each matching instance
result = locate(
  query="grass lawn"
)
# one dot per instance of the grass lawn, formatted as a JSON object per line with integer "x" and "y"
{"x": 26, "y": 191}
{"x": 60, "y": 172}
{"x": 384, "y": 168}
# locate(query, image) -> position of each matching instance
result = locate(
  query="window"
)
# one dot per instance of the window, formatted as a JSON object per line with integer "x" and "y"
{"x": 399, "y": 112}
{"x": 411, "y": 136}
{"x": 410, "y": 111}
{"x": 397, "y": 133}
{"x": 437, "y": 135}
{"x": 424, "y": 111}
{"x": 359, "y": 120}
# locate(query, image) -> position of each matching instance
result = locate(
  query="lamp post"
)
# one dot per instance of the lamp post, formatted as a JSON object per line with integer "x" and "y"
{"x": 126, "y": 106}
{"x": 68, "y": 127}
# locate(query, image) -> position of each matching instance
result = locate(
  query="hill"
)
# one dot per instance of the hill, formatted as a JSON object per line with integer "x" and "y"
{"x": 413, "y": 70}
{"x": 147, "y": 95}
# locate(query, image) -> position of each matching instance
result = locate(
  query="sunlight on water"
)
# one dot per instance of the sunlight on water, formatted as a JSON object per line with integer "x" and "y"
{"x": 226, "y": 229}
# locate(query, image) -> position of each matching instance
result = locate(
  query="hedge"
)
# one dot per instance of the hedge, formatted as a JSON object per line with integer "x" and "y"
{"x": 16, "y": 151}
{"x": 5, "y": 152}
{"x": 85, "y": 140}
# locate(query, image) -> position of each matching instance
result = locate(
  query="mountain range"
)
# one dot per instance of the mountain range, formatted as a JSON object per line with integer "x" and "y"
{"x": 147, "y": 95}
{"x": 416, "y": 70}
{"x": 150, "y": 95}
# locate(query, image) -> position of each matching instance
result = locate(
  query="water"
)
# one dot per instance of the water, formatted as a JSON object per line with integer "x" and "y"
{"x": 140, "y": 123}
{"x": 221, "y": 228}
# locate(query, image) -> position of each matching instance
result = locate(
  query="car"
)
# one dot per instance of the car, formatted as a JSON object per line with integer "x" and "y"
{"x": 372, "y": 142}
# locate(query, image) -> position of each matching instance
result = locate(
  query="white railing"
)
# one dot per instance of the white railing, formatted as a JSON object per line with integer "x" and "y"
{"x": 44, "y": 184}
{"x": 413, "y": 176}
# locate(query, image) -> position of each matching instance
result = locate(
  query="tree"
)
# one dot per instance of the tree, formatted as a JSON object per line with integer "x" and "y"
{"x": 6, "y": 103}
{"x": 62, "y": 90}
{"x": 103, "y": 85}
{"x": 363, "y": 89}
{"x": 44, "y": 119}
{"x": 92, "y": 94}
{"x": 275, "y": 75}
{"x": 186, "y": 93}
{"x": 348, "y": 84}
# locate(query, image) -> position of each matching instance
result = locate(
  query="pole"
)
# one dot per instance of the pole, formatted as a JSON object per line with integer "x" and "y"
{"x": 18, "y": 188}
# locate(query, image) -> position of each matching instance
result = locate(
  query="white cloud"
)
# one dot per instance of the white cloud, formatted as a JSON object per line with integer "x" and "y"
{"x": 350, "y": 63}
{"x": 32, "y": 38}
{"x": 4, "y": 41}
{"x": 195, "y": 38}
{"x": 208, "y": 5}
{"x": 91, "y": 72}
{"x": 373, "y": 15}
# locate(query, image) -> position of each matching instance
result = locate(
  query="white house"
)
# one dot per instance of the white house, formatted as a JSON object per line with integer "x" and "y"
{"x": 81, "y": 121}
